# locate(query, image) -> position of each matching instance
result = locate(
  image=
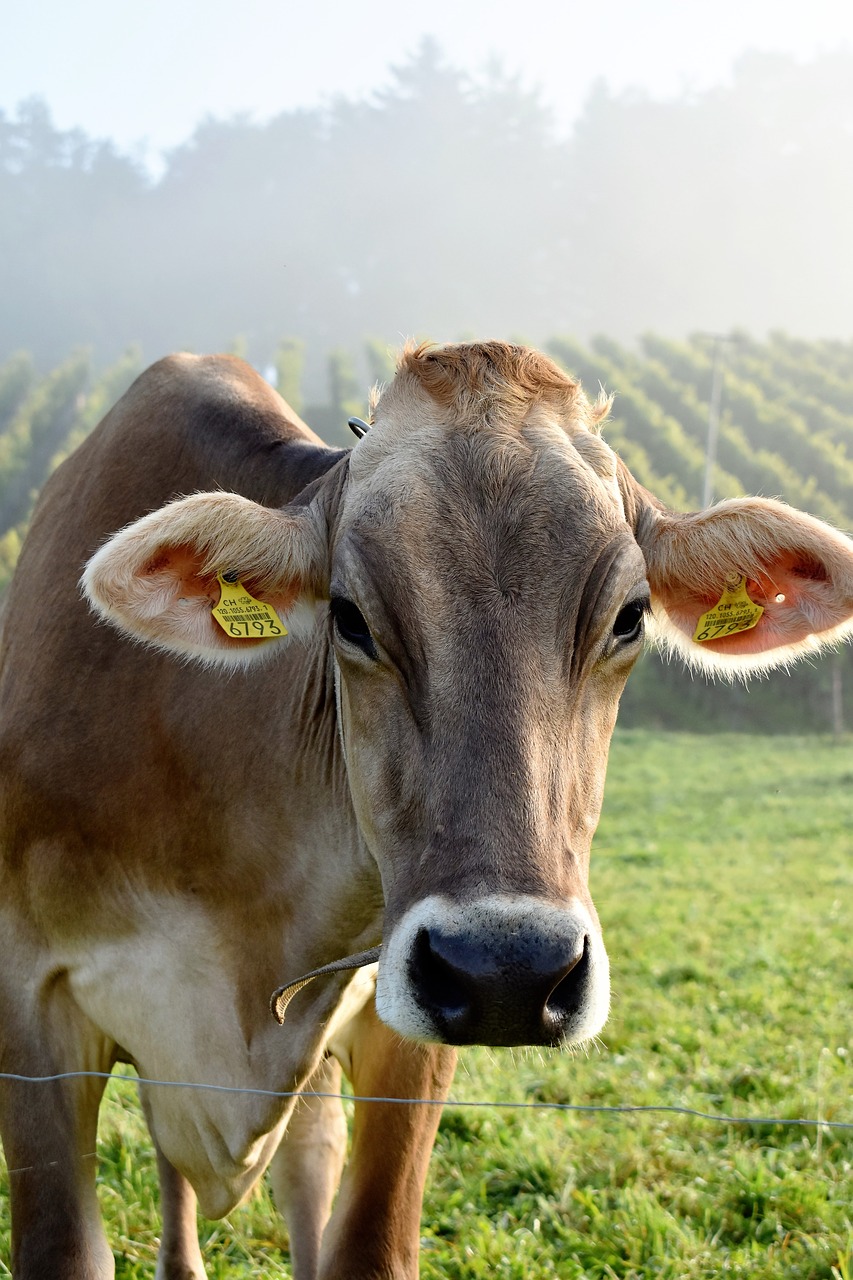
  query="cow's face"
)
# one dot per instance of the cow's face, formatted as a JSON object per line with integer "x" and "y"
{"x": 481, "y": 566}
{"x": 487, "y": 603}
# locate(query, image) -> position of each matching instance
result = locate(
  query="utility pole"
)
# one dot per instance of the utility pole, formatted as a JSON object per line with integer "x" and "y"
{"x": 837, "y": 693}
{"x": 721, "y": 342}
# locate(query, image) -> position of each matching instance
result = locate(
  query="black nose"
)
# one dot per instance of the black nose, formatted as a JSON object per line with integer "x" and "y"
{"x": 520, "y": 989}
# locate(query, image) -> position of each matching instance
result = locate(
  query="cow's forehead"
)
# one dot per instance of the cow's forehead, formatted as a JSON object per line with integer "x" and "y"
{"x": 417, "y": 460}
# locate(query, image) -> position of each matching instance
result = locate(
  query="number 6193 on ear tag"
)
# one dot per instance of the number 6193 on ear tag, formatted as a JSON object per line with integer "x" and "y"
{"x": 243, "y": 617}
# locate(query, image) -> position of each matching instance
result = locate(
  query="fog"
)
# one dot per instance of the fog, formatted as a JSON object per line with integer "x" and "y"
{"x": 441, "y": 206}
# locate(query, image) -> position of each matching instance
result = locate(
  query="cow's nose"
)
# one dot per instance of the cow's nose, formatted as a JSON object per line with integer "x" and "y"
{"x": 526, "y": 991}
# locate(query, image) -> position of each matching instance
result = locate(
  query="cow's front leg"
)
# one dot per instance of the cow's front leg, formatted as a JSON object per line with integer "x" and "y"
{"x": 374, "y": 1232}
{"x": 306, "y": 1169}
{"x": 49, "y": 1135}
{"x": 179, "y": 1256}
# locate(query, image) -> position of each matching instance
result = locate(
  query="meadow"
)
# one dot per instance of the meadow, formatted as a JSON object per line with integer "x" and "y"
{"x": 723, "y": 876}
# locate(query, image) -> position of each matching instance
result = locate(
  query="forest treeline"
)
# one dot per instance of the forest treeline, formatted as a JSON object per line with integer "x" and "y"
{"x": 785, "y": 430}
{"x": 443, "y": 206}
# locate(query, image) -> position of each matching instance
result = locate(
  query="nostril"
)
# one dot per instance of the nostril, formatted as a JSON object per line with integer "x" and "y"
{"x": 436, "y": 981}
{"x": 525, "y": 980}
{"x": 567, "y": 996}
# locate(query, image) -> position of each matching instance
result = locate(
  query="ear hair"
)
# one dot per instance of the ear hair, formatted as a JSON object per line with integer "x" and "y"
{"x": 228, "y": 532}
{"x": 746, "y": 535}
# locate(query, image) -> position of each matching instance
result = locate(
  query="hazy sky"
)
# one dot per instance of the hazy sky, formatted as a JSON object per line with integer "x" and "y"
{"x": 147, "y": 72}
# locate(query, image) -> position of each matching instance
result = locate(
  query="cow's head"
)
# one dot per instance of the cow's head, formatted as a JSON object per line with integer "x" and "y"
{"x": 489, "y": 567}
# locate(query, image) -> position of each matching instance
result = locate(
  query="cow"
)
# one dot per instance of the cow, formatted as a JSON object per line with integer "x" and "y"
{"x": 398, "y": 738}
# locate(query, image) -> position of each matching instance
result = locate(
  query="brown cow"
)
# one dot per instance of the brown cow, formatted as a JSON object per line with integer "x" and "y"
{"x": 425, "y": 768}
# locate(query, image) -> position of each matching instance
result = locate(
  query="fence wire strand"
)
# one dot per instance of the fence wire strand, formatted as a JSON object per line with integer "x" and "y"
{"x": 623, "y": 1108}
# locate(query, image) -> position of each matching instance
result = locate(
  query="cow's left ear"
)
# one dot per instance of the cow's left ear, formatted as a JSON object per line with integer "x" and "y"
{"x": 161, "y": 578}
{"x": 784, "y": 581}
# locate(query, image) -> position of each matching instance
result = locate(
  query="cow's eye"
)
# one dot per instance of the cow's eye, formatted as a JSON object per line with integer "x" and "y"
{"x": 629, "y": 621}
{"x": 351, "y": 626}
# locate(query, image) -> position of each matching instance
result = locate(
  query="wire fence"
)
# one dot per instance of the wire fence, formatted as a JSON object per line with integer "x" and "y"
{"x": 625, "y": 1108}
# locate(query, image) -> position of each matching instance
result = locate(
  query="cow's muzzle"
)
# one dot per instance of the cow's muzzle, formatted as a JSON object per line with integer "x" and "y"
{"x": 497, "y": 971}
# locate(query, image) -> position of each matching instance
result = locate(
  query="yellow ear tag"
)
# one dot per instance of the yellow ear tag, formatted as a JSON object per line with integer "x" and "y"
{"x": 733, "y": 612}
{"x": 242, "y": 616}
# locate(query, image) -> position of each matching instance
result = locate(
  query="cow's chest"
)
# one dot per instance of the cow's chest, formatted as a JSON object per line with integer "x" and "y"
{"x": 188, "y": 1003}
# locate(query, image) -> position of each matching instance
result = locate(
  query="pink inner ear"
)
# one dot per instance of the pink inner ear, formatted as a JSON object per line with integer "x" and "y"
{"x": 183, "y": 568}
{"x": 795, "y": 592}
{"x": 178, "y": 578}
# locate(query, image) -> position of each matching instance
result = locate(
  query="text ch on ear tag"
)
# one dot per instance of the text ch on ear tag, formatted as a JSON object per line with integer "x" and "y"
{"x": 243, "y": 617}
{"x": 733, "y": 612}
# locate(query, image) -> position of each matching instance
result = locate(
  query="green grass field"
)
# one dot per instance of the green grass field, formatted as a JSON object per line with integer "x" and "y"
{"x": 723, "y": 876}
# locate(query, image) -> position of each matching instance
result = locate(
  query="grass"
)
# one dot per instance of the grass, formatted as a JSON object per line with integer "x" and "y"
{"x": 723, "y": 877}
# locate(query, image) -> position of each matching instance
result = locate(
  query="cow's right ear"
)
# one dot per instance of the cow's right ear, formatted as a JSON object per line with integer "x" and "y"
{"x": 160, "y": 579}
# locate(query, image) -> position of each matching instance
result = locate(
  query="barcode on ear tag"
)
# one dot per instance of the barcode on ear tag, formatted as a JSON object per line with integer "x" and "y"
{"x": 243, "y": 617}
{"x": 733, "y": 612}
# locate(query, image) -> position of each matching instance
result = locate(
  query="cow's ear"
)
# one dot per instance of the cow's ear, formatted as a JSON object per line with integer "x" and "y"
{"x": 160, "y": 579}
{"x": 785, "y": 581}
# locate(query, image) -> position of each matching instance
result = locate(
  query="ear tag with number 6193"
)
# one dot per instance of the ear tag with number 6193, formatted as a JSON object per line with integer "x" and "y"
{"x": 733, "y": 612}
{"x": 242, "y": 616}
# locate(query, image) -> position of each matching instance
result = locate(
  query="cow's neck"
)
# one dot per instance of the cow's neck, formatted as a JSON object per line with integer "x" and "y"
{"x": 329, "y": 856}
